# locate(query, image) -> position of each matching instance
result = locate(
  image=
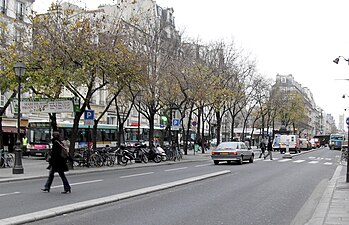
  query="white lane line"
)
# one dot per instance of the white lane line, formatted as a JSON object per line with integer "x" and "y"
{"x": 299, "y": 161}
{"x": 181, "y": 168}
{"x": 13, "y": 193}
{"x": 136, "y": 175}
{"x": 328, "y": 163}
{"x": 285, "y": 160}
{"x": 312, "y": 157}
{"x": 73, "y": 184}
{"x": 328, "y": 159}
{"x": 203, "y": 165}
{"x": 313, "y": 162}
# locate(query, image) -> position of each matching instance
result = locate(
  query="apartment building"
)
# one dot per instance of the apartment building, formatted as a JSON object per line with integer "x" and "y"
{"x": 14, "y": 28}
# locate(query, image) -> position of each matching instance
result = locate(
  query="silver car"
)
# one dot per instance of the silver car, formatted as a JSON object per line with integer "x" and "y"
{"x": 232, "y": 151}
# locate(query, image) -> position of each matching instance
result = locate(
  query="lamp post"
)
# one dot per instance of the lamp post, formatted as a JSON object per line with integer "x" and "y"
{"x": 139, "y": 98}
{"x": 19, "y": 69}
{"x": 336, "y": 60}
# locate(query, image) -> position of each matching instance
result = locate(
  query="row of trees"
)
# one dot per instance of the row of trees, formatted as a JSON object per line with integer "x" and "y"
{"x": 141, "y": 65}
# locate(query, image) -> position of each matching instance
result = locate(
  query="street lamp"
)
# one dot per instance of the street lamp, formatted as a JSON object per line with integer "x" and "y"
{"x": 139, "y": 99}
{"x": 336, "y": 60}
{"x": 19, "y": 69}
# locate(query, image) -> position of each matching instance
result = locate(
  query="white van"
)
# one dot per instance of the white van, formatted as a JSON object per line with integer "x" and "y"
{"x": 292, "y": 141}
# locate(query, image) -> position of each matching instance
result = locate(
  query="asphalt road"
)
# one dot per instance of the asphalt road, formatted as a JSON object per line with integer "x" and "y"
{"x": 265, "y": 192}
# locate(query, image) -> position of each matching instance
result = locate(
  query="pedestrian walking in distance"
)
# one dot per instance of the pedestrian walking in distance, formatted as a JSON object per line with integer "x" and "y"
{"x": 270, "y": 150}
{"x": 262, "y": 147}
{"x": 57, "y": 163}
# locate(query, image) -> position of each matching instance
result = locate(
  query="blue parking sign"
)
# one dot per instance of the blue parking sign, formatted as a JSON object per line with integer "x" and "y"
{"x": 347, "y": 120}
{"x": 89, "y": 114}
{"x": 175, "y": 122}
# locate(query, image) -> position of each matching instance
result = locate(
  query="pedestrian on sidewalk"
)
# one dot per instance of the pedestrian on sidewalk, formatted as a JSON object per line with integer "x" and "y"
{"x": 57, "y": 164}
{"x": 262, "y": 147}
{"x": 270, "y": 150}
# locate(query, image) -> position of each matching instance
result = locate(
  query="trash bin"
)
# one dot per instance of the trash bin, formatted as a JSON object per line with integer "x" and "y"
{"x": 196, "y": 147}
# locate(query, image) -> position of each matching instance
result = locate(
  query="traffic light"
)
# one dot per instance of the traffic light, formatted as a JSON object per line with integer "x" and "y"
{"x": 164, "y": 118}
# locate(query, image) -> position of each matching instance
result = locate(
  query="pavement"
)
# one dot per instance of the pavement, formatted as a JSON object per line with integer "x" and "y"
{"x": 332, "y": 209}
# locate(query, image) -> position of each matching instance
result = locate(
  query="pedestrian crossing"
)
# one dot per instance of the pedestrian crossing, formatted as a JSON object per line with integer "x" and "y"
{"x": 309, "y": 160}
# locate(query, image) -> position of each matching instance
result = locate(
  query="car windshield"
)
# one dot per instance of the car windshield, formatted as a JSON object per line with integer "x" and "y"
{"x": 227, "y": 145}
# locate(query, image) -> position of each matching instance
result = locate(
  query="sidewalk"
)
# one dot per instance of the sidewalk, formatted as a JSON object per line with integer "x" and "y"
{"x": 332, "y": 209}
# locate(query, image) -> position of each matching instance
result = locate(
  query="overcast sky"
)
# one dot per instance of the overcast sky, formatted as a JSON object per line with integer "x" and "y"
{"x": 298, "y": 37}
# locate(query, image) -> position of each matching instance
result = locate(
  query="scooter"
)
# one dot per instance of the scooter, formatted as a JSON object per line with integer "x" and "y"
{"x": 154, "y": 155}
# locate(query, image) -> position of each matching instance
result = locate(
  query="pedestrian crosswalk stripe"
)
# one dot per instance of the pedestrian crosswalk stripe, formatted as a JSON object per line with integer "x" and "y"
{"x": 313, "y": 162}
{"x": 299, "y": 161}
{"x": 285, "y": 160}
{"x": 328, "y": 163}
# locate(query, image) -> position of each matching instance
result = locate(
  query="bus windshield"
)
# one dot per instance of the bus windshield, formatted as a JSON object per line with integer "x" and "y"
{"x": 337, "y": 137}
{"x": 39, "y": 135}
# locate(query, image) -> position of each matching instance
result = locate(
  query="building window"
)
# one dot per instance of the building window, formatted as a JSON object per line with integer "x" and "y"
{"x": 283, "y": 80}
{"x": 20, "y": 10}
{"x": 2, "y": 35}
{"x": 2, "y": 100}
{"x": 18, "y": 37}
{"x": 3, "y": 6}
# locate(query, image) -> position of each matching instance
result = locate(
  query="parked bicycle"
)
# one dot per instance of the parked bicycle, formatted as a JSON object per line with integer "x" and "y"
{"x": 7, "y": 159}
{"x": 344, "y": 155}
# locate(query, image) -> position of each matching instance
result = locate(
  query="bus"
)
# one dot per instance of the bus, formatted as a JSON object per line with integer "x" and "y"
{"x": 132, "y": 136}
{"x": 336, "y": 141}
{"x": 39, "y": 136}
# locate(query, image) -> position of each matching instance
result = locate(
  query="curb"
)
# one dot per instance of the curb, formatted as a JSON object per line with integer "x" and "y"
{"x": 44, "y": 214}
{"x": 321, "y": 210}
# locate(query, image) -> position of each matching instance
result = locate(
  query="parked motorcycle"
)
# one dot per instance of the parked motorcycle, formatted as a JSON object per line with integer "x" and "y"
{"x": 154, "y": 155}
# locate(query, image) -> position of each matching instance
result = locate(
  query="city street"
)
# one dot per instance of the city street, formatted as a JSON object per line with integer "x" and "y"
{"x": 265, "y": 192}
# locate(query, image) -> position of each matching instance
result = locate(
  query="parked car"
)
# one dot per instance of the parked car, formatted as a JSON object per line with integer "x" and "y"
{"x": 315, "y": 143}
{"x": 304, "y": 144}
{"x": 232, "y": 151}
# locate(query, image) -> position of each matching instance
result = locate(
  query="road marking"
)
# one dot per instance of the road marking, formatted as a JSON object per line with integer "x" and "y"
{"x": 136, "y": 175}
{"x": 313, "y": 162}
{"x": 84, "y": 182}
{"x": 61, "y": 210}
{"x": 312, "y": 157}
{"x": 203, "y": 165}
{"x": 181, "y": 168}
{"x": 13, "y": 193}
{"x": 328, "y": 159}
{"x": 328, "y": 163}
{"x": 285, "y": 160}
{"x": 299, "y": 161}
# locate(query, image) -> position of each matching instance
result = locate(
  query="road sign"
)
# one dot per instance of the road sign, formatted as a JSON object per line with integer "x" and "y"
{"x": 175, "y": 124}
{"x": 89, "y": 116}
{"x": 46, "y": 105}
{"x": 347, "y": 121}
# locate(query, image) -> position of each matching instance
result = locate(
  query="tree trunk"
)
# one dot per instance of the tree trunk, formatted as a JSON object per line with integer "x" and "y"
{"x": 219, "y": 126}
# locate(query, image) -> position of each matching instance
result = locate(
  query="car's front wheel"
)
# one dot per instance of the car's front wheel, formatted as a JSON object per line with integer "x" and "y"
{"x": 216, "y": 162}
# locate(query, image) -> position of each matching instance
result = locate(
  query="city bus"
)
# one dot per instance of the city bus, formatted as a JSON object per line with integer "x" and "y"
{"x": 336, "y": 141}
{"x": 132, "y": 136}
{"x": 39, "y": 136}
